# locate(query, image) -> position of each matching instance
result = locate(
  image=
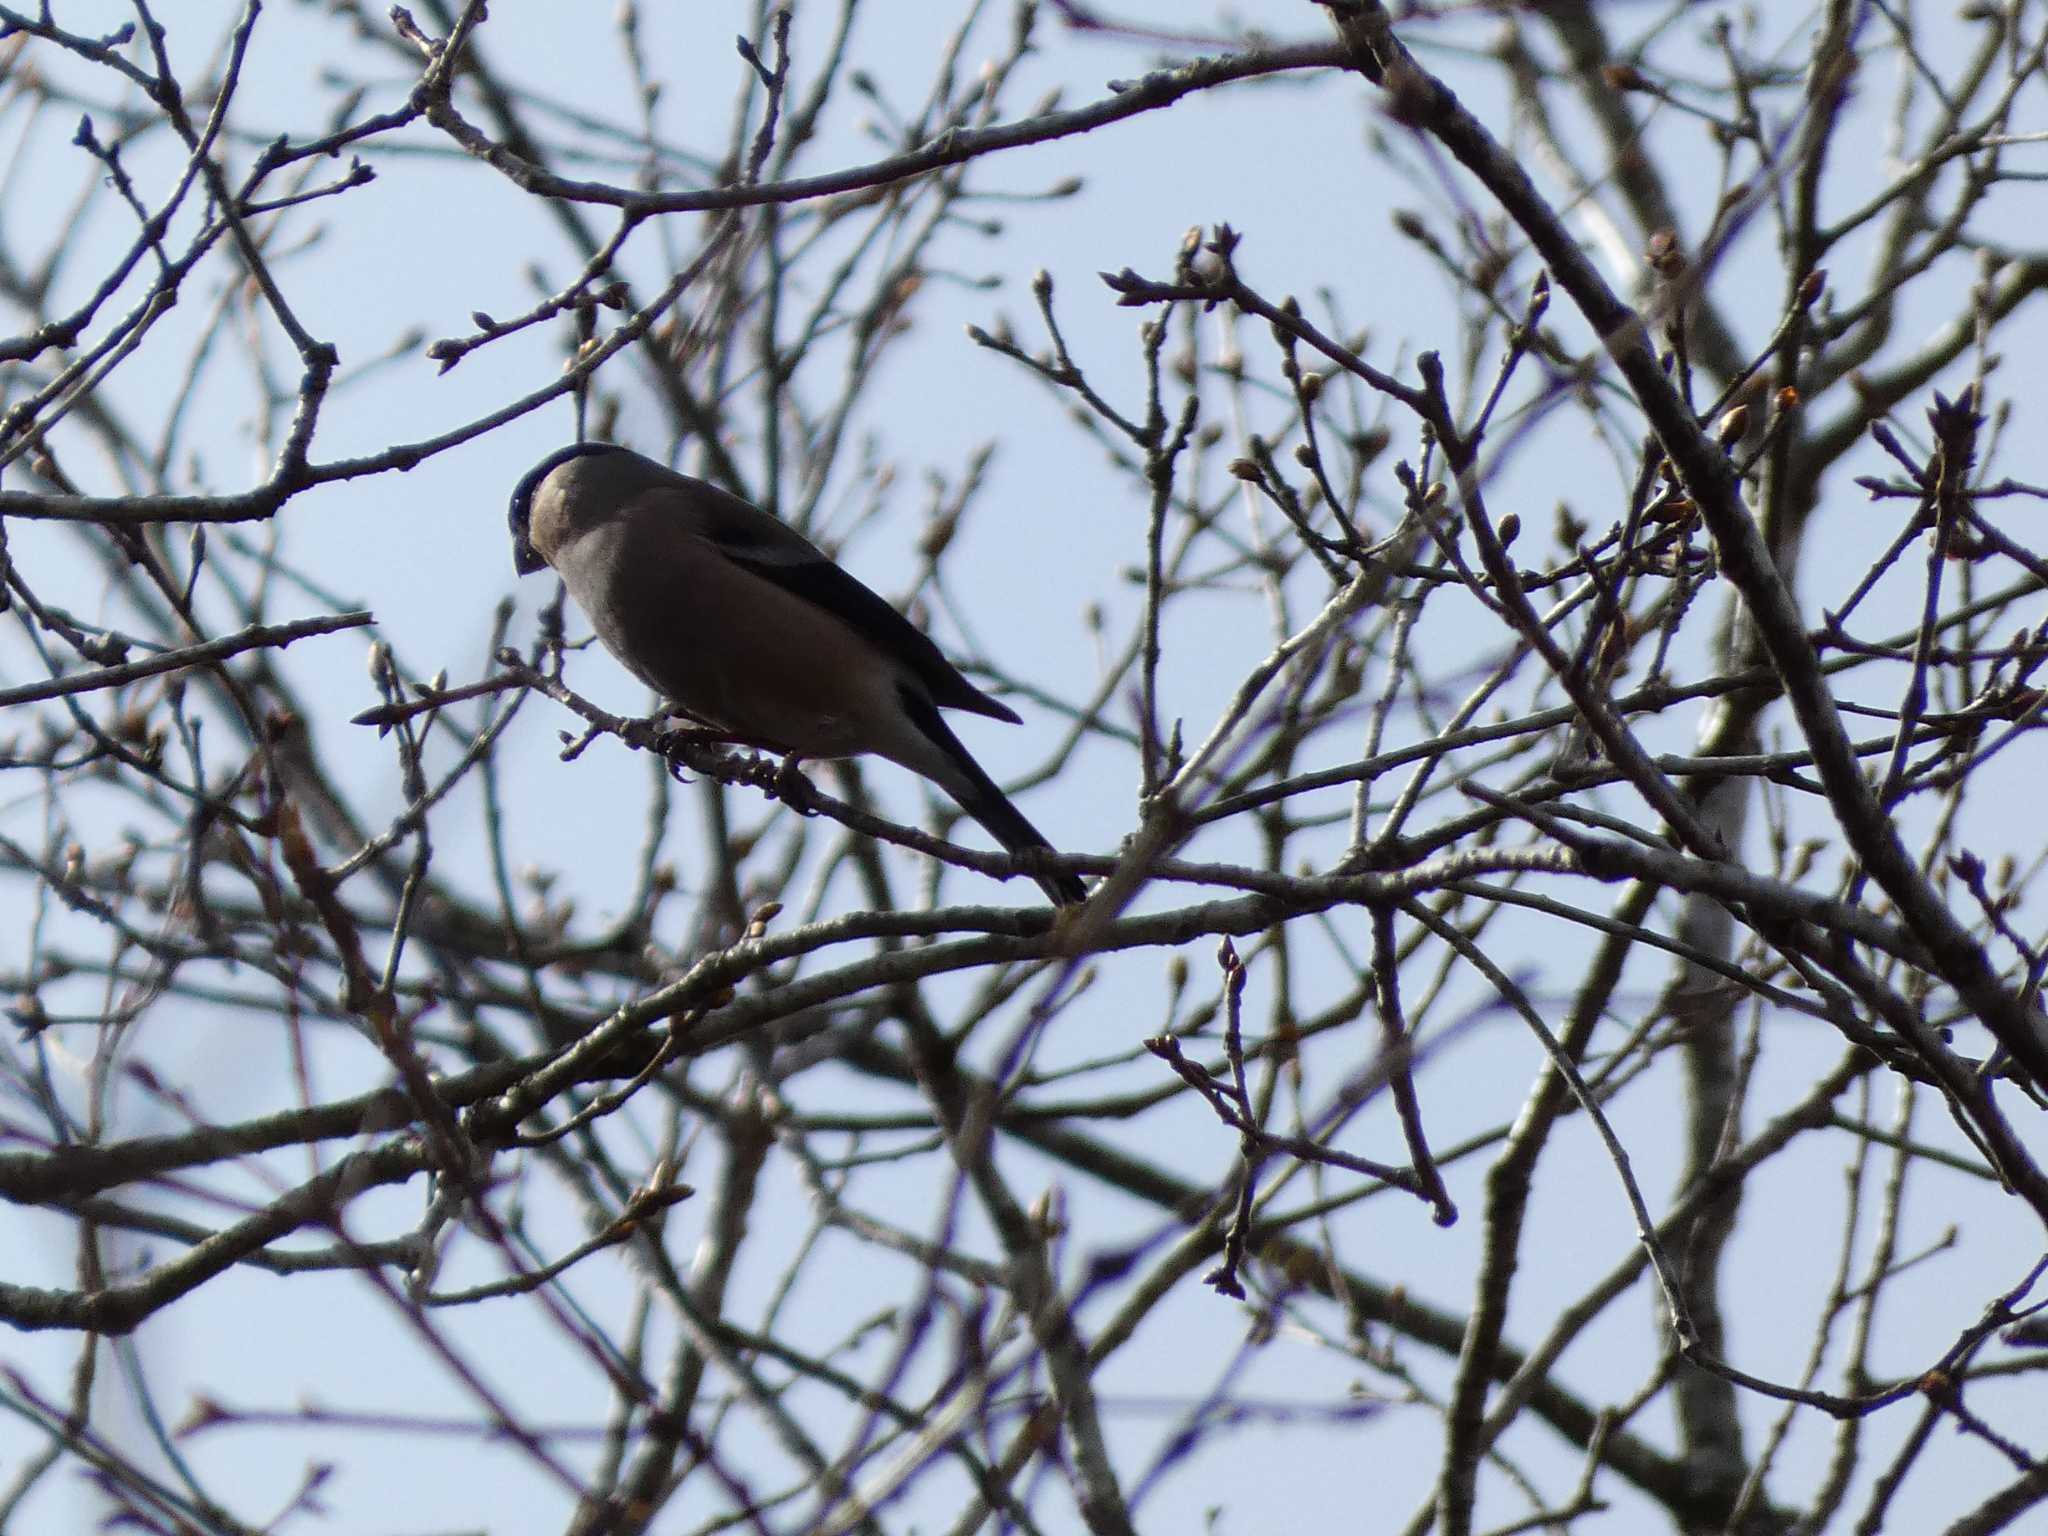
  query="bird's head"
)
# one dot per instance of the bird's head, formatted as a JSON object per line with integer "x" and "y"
{"x": 525, "y": 558}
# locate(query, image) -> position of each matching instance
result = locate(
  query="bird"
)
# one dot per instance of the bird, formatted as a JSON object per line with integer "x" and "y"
{"x": 744, "y": 625}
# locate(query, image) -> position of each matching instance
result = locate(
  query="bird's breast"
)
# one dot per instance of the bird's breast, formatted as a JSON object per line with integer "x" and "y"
{"x": 727, "y": 645}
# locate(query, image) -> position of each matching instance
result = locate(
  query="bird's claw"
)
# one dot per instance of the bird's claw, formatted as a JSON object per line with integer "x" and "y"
{"x": 792, "y": 788}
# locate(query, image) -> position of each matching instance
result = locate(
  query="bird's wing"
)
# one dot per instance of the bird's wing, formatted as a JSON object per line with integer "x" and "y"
{"x": 777, "y": 553}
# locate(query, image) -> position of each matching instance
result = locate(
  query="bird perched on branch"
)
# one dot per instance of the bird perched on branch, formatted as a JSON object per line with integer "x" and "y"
{"x": 744, "y": 625}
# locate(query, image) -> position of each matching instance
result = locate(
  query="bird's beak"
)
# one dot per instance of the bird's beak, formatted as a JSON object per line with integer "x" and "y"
{"x": 525, "y": 559}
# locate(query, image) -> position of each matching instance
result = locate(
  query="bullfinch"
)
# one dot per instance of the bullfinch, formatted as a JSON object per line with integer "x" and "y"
{"x": 744, "y": 625}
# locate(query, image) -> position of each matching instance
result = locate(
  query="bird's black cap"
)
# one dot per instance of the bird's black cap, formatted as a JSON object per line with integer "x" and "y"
{"x": 524, "y": 559}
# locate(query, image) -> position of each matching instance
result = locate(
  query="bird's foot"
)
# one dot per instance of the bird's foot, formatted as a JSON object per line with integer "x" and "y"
{"x": 676, "y": 745}
{"x": 665, "y": 738}
{"x": 792, "y": 788}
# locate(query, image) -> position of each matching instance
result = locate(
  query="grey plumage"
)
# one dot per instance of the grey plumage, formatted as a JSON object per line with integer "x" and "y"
{"x": 742, "y": 623}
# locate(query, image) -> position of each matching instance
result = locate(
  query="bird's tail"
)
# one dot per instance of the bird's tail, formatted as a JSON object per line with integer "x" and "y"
{"x": 980, "y": 798}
